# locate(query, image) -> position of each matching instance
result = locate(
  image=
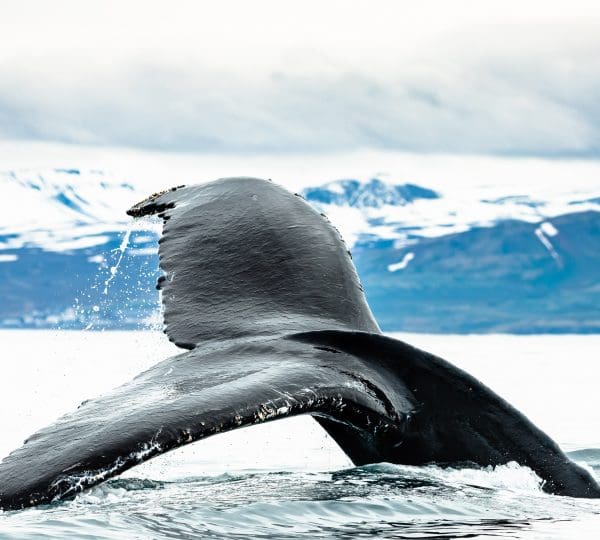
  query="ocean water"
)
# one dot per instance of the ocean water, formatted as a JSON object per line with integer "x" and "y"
{"x": 288, "y": 479}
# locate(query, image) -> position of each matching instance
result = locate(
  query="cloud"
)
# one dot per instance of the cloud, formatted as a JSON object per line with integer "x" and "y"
{"x": 523, "y": 88}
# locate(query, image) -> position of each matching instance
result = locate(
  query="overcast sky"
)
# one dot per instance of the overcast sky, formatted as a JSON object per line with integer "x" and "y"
{"x": 507, "y": 78}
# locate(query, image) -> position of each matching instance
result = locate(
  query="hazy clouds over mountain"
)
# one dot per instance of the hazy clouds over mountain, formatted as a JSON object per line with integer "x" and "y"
{"x": 262, "y": 77}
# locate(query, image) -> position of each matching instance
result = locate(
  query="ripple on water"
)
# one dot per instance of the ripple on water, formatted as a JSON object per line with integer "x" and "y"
{"x": 384, "y": 501}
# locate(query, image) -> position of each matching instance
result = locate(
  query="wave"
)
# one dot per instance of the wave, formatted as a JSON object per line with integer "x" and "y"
{"x": 587, "y": 456}
{"x": 382, "y": 500}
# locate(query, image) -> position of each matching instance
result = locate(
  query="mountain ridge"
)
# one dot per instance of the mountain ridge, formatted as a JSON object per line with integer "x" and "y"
{"x": 430, "y": 260}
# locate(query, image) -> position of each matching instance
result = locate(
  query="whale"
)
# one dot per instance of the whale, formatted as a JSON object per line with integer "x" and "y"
{"x": 260, "y": 293}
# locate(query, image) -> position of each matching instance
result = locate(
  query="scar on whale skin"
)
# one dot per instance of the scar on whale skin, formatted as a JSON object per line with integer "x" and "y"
{"x": 264, "y": 297}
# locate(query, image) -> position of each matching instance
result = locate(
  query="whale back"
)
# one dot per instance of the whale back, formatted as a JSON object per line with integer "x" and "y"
{"x": 244, "y": 257}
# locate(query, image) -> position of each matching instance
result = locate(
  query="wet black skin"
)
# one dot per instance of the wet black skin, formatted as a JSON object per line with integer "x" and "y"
{"x": 261, "y": 291}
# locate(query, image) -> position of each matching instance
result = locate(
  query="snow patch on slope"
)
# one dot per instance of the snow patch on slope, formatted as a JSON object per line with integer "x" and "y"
{"x": 543, "y": 232}
{"x": 402, "y": 264}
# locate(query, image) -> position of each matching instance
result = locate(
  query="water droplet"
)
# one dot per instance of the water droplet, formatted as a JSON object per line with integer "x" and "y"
{"x": 122, "y": 249}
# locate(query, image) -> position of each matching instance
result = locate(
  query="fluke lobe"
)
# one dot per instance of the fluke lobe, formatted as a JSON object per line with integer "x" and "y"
{"x": 262, "y": 291}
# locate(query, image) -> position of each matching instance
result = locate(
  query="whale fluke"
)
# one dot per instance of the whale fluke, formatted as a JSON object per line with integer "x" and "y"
{"x": 261, "y": 291}
{"x": 245, "y": 257}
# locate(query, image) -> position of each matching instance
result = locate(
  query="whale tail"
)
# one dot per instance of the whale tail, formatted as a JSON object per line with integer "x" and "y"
{"x": 260, "y": 290}
{"x": 244, "y": 257}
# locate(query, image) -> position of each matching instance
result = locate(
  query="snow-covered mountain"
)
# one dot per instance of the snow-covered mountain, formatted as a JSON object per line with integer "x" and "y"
{"x": 372, "y": 194}
{"x": 65, "y": 209}
{"x": 444, "y": 259}
{"x": 374, "y": 210}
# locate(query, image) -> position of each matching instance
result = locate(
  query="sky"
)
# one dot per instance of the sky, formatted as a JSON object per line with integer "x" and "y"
{"x": 509, "y": 78}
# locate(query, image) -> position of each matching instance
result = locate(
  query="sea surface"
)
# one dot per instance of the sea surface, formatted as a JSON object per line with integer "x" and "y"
{"x": 288, "y": 479}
